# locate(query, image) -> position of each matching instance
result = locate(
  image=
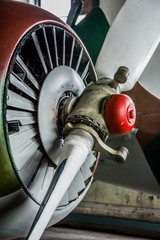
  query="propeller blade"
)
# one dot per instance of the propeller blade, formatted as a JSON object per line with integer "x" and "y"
{"x": 75, "y": 152}
{"x": 111, "y": 8}
{"x": 131, "y": 40}
{"x": 152, "y": 71}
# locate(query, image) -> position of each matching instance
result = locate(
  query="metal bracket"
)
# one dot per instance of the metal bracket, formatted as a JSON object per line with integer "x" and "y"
{"x": 119, "y": 155}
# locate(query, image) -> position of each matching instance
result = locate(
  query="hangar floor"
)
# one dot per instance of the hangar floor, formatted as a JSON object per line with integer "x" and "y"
{"x": 59, "y": 233}
{"x": 56, "y": 233}
{"x": 110, "y": 212}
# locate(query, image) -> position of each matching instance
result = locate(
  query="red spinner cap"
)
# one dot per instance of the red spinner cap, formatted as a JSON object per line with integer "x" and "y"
{"x": 120, "y": 114}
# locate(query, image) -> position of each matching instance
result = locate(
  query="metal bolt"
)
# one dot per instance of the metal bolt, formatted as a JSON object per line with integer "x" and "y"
{"x": 121, "y": 75}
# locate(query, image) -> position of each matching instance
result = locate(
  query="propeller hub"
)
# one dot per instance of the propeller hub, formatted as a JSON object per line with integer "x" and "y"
{"x": 100, "y": 111}
{"x": 59, "y": 84}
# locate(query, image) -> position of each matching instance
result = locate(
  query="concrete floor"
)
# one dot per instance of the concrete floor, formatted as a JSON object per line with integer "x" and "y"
{"x": 107, "y": 200}
{"x": 58, "y": 233}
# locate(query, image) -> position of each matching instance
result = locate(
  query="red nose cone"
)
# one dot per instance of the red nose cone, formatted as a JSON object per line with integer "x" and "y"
{"x": 120, "y": 114}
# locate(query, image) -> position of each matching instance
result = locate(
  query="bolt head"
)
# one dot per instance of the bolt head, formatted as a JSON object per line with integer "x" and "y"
{"x": 121, "y": 75}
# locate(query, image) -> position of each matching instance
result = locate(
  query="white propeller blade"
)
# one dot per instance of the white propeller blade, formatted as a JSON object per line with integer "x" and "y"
{"x": 75, "y": 152}
{"x": 150, "y": 77}
{"x": 111, "y": 8}
{"x": 131, "y": 40}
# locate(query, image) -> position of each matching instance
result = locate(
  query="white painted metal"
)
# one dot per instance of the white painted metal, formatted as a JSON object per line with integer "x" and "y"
{"x": 78, "y": 184}
{"x": 64, "y": 48}
{"x": 24, "y": 118}
{"x": 79, "y": 181}
{"x": 72, "y": 50}
{"x": 17, "y": 101}
{"x": 39, "y": 51}
{"x": 111, "y": 8}
{"x": 31, "y": 167}
{"x": 47, "y": 179}
{"x": 79, "y": 60}
{"x": 29, "y": 74}
{"x": 23, "y": 153}
{"x": 72, "y": 191}
{"x": 85, "y": 71}
{"x": 86, "y": 172}
{"x": 19, "y": 210}
{"x": 58, "y": 81}
{"x": 55, "y": 45}
{"x": 75, "y": 151}
{"x": 63, "y": 212}
{"x": 150, "y": 78}
{"x": 14, "y": 80}
{"x": 65, "y": 200}
{"x": 39, "y": 185}
{"x": 48, "y": 49}
{"x": 25, "y": 134}
{"x": 24, "y": 208}
{"x": 131, "y": 40}
{"x": 91, "y": 159}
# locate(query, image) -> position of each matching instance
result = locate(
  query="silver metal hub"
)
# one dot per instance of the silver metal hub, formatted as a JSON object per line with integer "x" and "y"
{"x": 60, "y": 80}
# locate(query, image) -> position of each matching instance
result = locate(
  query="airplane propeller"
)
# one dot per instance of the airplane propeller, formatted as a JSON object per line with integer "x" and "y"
{"x": 131, "y": 40}
{"x": 56, "y": 111}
